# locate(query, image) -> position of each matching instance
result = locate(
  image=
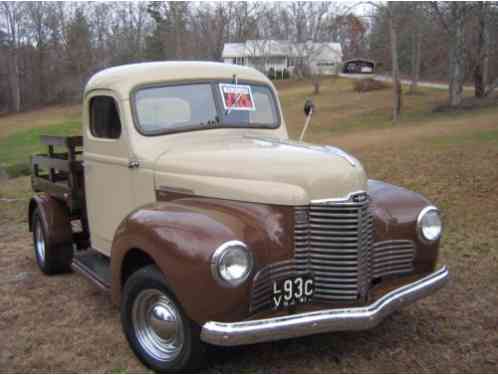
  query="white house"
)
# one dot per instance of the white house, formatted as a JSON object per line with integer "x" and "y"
{"x": 324, "y": 58}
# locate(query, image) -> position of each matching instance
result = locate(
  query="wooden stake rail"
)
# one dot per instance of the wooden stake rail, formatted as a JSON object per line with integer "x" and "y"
{"x": 60, "y": 174}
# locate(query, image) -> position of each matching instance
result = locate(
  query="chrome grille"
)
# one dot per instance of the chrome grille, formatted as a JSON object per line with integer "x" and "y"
{"x": 334, "y": 241}
{"x": 392, "y": 257}
{"x": 340, "y": 236}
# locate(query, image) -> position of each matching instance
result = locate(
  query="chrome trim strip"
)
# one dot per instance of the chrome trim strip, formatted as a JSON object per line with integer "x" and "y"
{"x": 340, "y": 199}
{"x": 349, "y": 319}
{"x": 169, "y": 189}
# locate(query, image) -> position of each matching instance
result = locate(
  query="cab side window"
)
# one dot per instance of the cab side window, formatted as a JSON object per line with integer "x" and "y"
{"x": 104, "y": 118}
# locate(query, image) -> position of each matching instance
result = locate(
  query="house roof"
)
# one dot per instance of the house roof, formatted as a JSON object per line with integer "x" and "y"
{"x": 268, "y": 47}
{"x": 233, "y": 50}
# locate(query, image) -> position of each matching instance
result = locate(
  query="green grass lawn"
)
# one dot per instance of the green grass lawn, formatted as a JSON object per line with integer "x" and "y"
{"x": 17, "y": 147}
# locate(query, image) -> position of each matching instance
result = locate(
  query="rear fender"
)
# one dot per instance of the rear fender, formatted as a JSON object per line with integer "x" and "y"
{"x": 55, "y": 219}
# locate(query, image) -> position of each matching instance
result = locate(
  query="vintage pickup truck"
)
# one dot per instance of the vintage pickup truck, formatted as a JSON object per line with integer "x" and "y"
{"x": 187, "y": 201}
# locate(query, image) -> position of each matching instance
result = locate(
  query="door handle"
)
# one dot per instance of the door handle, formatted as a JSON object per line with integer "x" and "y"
{"x": 132, "y": 164}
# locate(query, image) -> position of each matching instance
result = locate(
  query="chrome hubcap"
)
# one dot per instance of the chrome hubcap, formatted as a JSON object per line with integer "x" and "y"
{"x": 40, "y": 243}
{"x": 158, "y": 325}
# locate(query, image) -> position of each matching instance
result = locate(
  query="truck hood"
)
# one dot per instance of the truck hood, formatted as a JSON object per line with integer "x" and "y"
{"x": 260, "y": 170}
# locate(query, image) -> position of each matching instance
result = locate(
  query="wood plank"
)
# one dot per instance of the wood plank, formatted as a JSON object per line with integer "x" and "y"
{"x": 54, "y": 140}
{"x": 48, "y": 162}
{"x": 57, "y": 189}
{"x": 64, "y": 165}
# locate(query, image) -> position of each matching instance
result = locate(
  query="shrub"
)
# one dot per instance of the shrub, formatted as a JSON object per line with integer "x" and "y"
{"x": 271, "y": 73}
{"x": 18, "y": 170}
{"x": 278, "y": 74}
{"x": 368, "y": 84}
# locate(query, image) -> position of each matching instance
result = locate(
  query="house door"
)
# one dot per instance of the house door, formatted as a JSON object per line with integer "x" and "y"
{"x": 108, "y": 178}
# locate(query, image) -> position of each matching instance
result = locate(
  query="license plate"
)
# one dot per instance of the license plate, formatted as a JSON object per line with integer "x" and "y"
{"x": 292, "y": 291}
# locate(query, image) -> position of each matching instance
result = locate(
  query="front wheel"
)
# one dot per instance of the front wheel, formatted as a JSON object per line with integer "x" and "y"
{"x": 157, "y": 329}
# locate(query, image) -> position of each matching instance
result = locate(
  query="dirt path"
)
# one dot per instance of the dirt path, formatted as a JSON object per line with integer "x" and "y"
{"x": 385, "y": 78}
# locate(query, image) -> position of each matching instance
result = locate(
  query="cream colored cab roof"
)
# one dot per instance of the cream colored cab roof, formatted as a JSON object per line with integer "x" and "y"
{"x": 123, "y": 79}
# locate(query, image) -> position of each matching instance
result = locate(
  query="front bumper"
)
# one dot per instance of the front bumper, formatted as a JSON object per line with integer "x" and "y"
{"x": 350, "y": 319}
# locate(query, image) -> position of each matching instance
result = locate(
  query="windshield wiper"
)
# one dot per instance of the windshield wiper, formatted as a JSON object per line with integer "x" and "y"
{"x": 213, "y": 123}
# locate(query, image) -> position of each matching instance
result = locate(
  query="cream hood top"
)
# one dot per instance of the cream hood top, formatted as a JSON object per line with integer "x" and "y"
{"x": 260, "y": 170}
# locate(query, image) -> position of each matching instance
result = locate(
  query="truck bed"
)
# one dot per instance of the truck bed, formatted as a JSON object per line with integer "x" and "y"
{"x": 59, "y": 172}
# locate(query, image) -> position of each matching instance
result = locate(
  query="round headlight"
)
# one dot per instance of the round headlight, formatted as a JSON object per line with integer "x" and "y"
{"x": 429, "y": 224}
{"x": 231, "y": 263}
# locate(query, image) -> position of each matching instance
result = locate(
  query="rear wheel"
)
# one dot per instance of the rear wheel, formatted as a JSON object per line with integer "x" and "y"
{"x": 51, "y": 259}
{"x": 157, "y": 329}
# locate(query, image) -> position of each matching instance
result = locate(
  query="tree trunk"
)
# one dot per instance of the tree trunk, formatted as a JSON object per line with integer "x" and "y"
{"x": 416, "y": 60}
{"x": 15, "y": 85}
{"x": 395, "y": 68}
{"x": 481, "y": 65}
{"x": 316, "y": 85}
{"x": 42, "y": 86}
{"x": 457, "y": 56}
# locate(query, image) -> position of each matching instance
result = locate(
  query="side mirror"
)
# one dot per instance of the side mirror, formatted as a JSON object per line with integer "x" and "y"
{"x": 309, "y": 107}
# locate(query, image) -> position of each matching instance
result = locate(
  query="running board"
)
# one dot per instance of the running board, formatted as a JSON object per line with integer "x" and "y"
{"x": 94, "y": 266}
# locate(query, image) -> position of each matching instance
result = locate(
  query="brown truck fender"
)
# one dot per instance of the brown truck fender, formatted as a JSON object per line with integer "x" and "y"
{"x": 180, "y": 236}
{"x": 395, "y": 210}
{"x": 55, "y": 219}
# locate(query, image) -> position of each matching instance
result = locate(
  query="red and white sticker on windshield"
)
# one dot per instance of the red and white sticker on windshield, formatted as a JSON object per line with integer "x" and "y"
{"x": 237, "y": 97}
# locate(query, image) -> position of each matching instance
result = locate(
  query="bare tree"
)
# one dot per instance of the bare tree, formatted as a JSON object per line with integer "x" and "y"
{"x": 310, "y": 31}
{"x": 37, "y": 17}
{"x": 452, "y": 17}
{"x": 211, "y": 24}
{"x": 350, "y": 31}
{"x": 13, "y": 15}
{"x": 416, "y": 46}
{"x": 49, "y": 49}
{"x": 78, "y": 46}
{"x": 397, "y": 101}
{"x": 172, "y": 27}
{"x": 482, "y": 49}
{"x": 390, "y": 10}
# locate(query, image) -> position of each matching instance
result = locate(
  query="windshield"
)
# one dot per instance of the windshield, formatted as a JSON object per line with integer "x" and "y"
{"x": 183, "y": 107}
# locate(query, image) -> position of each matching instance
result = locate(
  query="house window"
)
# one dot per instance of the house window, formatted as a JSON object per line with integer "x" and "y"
{"x": 104, "y": 118}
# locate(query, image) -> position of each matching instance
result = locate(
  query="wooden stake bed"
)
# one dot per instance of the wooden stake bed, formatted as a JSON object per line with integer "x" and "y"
{"x": 60, "y": 174}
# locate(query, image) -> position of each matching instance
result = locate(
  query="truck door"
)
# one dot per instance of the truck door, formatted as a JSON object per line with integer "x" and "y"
{"x": 108, "y": 184}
